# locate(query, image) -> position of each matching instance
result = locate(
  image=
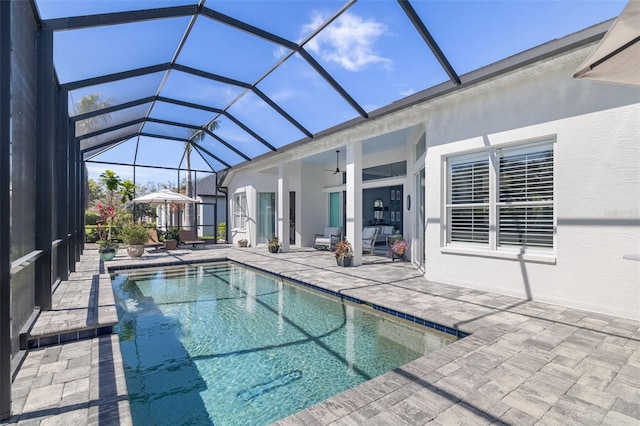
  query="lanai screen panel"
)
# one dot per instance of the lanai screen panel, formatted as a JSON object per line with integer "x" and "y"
{"x": 161, "y": 129}
{"x": 272, "y": 73}
{"x": 111, "y": 119}
{"x": 224, "y": 153}
{"x": 483, "y": 35}
{"x": 49, "y": 9}
{"x": 112, "y": 136}
{"x": 114, "y": 93}
{"x": 181, "y": 114}
{"x": 240, "y": 138}
{"x": 289, "y": 19}
{"x": 265, "y": 120}
{"x": 202, "y": 91}
{"x": 230, "y": 52}
{"x": 91, "y": 52}
{"x": 159, "y": 152}
{"x": 301, "y": 91}
{"x": 376, "y": 54}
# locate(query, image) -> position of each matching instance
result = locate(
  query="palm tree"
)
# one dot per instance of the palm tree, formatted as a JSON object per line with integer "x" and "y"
{"x": 195, "y": 135}
{"x": 90, "y": 103}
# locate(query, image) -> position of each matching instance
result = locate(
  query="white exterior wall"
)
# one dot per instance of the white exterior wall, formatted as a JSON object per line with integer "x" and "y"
{"x": 253, "y": 183}
{"x": 597, "y": 190}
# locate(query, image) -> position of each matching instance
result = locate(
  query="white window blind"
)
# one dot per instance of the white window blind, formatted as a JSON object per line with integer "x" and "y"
{"x": 468, "y": 206}
{"x": 525, "y": 205}
{"x": 517, "y": 196}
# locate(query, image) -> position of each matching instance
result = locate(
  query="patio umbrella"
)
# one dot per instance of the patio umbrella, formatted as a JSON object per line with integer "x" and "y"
{"x": 616, "y": 59}
{"x": 164, "y": 196}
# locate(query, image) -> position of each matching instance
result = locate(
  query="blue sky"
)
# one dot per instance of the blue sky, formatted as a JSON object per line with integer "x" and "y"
{"x": 372, "y": 51}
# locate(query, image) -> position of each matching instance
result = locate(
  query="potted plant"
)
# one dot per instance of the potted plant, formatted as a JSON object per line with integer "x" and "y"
{"x": 106, "y": 246}
{"x": 135, "y": 236}
{"x": 273, "y": 245}
{"x": 398, "y": 249}
{"x": 171, "y": 238}
{"x": 107, "y": 249}
{"x": 344, "y": 253}
{"x": 118, "y": 190}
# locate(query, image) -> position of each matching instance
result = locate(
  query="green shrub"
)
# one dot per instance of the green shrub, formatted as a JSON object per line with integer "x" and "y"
{"x": 134, "y": 234}
{"x": 222, "y": 230}
{"x": 91, "y": 234}
{"x": 91, "y": 218}
{"x": 172, "y": 233}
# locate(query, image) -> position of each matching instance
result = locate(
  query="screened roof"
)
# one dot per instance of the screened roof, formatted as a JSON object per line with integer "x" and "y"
{"x": 145, "y": 78}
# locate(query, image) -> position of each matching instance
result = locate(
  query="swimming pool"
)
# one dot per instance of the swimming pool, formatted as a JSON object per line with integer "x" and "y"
{"x": 223, "y": 344}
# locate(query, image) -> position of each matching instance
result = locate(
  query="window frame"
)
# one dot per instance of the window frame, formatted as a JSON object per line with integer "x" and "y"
{"x": 494, "y": 155}
{"x": 450, "y": 205}
{"x": 240, "y": 210}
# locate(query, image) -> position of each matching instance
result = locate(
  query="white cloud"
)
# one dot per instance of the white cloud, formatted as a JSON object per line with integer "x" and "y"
{"x": 407, "y": 92}
{"x": 281, "y": 52}
{"x": 348, "y": 41}
{"x": 282, "y": 95}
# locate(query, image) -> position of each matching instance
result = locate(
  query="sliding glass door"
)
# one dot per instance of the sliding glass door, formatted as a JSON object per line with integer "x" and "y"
{"x": 266, "y": 216}
{"x": 334, "y": 209}
{"x": 420, "y": 218}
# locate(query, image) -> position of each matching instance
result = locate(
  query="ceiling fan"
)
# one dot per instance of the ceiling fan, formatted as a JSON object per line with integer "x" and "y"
{"x": 337, "y": 170}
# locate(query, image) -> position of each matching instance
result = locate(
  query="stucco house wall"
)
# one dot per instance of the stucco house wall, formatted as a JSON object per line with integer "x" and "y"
{"x": 596, "y": 127}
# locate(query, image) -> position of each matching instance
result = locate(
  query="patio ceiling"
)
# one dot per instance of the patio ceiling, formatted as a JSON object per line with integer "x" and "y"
{"x": 146, "y": 79}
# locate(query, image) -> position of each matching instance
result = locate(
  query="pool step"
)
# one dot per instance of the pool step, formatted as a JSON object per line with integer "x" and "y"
{"x": 83, "y": 308}
{"x": 187, "y": 271}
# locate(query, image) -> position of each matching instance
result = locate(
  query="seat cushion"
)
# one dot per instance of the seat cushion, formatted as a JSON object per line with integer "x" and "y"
{"x": 332, "y": 230}
{"x": 368, "y": 233}
{"x": 387, "y": 230}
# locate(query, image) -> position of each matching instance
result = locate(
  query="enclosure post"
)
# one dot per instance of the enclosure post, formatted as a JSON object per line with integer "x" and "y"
{"x": 45, "y": 134}
{"x": 5, "y": 217}
{"x": 62, "y": 163}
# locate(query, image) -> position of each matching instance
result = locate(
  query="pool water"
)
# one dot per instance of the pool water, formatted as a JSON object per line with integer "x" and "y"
{"x": 222, "y": 344}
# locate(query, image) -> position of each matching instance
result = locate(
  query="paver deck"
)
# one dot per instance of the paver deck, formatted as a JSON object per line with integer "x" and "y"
{"x": 524, "y": 363}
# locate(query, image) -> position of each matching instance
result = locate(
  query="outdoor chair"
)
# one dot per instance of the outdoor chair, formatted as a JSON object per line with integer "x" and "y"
{"x": 369, "y": 235}
{"x": 187, "y": 236}
{"x": 328, "y": 239}
{"x": 152, "y": 241}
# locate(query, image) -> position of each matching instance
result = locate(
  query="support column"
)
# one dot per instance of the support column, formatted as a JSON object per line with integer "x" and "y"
{"x": 5, "y": 217}
{"x": 354, "y": 200}
{"x": 45, "y": 134}
{"x": 62, "y": 164}
{"x": 283, "y": 206}
{"x": 73, "y": 202}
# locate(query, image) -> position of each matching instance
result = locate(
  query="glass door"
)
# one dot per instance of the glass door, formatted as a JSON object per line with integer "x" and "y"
{"x": 420, "y": 217}
{"x": 334, "y": 209}
{"x": 266, "y": 216}
{"x": 292, "y": 217}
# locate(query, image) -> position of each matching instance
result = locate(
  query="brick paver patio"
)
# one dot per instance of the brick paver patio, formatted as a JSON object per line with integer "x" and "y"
{"x": 524, "y": 363}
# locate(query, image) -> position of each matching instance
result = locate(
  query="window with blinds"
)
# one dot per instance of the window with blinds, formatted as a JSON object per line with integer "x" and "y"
{"x": 468, "y": 207}
{"x": 519, "y": 201}
{"x": 525, "y": 204}
{"x": 240, "y": 210}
